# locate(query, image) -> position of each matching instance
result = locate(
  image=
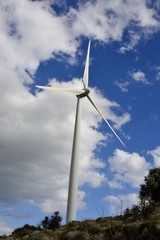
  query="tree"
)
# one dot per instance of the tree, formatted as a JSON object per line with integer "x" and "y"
{"x": 45, "y": 222}
{"x": 53, "y": 222}
{"x": 150, "y": 190}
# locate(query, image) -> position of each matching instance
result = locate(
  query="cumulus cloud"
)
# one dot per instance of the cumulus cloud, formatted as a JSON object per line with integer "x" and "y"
{"x": 116, "y": 204}
{"x": 155, "y": 153}
{"x": 98, "y": 18}
{"x": 32, "y": 32}
{"x": 139, "y": 76}
{"x": 128, "y": 168}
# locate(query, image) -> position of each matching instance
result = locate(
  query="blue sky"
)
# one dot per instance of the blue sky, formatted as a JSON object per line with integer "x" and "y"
{"x": 45, "y": 43}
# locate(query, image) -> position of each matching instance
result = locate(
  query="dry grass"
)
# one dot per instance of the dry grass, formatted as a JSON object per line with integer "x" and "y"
{"x": 109, "y": 228}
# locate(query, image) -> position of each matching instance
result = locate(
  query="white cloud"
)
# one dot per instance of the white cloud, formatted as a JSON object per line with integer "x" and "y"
{"x": 122, "y": 85}
{"x": 117, "y": 204}
{"x": 134, "y": 38}
{"x": 4, "y": 228}
{"x": 126, "y": 117}
{"x": 155, "y": 153}
{"x": 127, "y": 168}
{"x": 157, "y": 69}
{"x": 32, "y": 32}
{"x": 158, "y": 76}
{"x": 139, "y": 76}
{"x": 98, "y": 19}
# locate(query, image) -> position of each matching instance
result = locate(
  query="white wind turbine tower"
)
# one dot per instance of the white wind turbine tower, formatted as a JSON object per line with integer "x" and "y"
{"x": 73, "y": 179}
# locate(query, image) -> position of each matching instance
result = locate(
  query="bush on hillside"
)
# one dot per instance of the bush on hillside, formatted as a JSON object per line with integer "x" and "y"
{"x": 26, "y": 229}
{"x": 52, "y": 222}
{"x": 150, "y": 190}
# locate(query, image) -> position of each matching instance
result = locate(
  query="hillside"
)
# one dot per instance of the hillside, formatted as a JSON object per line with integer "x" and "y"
{"x": 110, "y": 228}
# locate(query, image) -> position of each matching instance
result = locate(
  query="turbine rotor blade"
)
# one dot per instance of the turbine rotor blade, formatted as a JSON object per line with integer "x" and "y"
{"x": 86, "y": 70}
{"x": 56, "y": 89}
{"x": 105, "y": 120}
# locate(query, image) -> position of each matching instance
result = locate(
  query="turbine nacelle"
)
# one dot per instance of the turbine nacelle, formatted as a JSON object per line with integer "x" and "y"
{"x": 84, "y": 94}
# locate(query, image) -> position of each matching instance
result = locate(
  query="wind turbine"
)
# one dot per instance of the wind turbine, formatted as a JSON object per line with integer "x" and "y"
{"x": 73, "y": 179}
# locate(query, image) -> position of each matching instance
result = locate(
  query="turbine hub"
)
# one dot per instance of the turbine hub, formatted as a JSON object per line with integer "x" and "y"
{"x": 84, "y": 94}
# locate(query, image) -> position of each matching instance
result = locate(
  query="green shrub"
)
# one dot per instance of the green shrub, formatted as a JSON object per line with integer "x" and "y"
{"x": 52, "y": 222}
{"x": 26, "y": 229}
